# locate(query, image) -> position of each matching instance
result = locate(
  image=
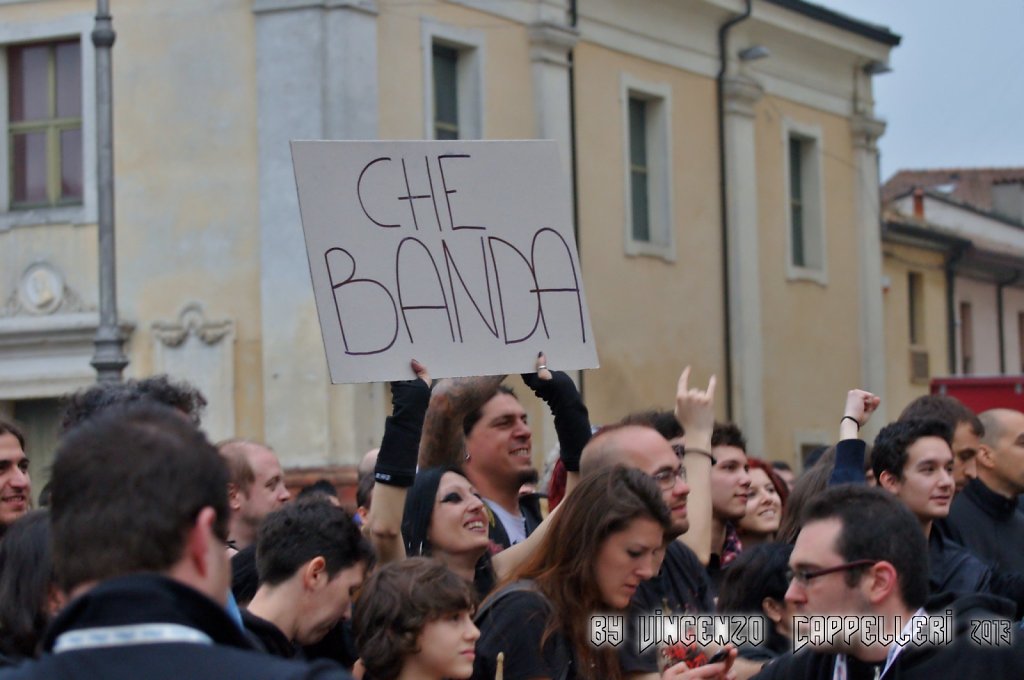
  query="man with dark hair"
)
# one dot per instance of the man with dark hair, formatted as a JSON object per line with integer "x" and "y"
{"x": 311, "y": 559}
{"x": 984, "y": 518}
{"x": 965, "y": 426}
{"x": 499, "y": 443}
{"x": 862, "y": 553}
{"x": 139, "y": 515}
{"x": 912, "y": 460}
{"x": 322, "y": 488}
{"x": 15, "y": 484}
{"x": 730, "y": 486}
{"x": 158, "y": 389}
{"x": 255, "y": 488}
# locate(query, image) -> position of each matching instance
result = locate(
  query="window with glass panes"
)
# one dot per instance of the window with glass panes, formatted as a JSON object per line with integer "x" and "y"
{"x": 638, "y": 170}
{"x": 796, "y": 202}
{"x": 44, "y": 128}
{"x": 446, "y": 92}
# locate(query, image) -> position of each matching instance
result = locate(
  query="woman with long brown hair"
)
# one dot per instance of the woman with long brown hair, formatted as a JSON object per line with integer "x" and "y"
{"x": 607, "y": 538}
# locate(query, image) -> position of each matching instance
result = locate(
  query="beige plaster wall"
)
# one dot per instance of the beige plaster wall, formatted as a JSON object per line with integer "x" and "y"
{"x": 650, "y": 317}
{"x": 810, "y": 331}
{"x": 186, "y": 169}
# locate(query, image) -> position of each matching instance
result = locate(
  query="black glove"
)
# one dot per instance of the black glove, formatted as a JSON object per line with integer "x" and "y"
{"x": 396, "y": 462}
{"x": 572, "y": 422}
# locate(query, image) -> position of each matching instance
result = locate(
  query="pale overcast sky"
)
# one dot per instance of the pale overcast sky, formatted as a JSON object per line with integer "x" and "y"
{"x": 955, "y": 96}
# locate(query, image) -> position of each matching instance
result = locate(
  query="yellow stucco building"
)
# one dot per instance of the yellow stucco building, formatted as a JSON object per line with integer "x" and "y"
{"x": 773, "y": 284}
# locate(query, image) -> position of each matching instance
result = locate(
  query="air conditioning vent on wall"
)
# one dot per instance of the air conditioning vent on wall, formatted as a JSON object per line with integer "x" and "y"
{"x": 919, "y": 372}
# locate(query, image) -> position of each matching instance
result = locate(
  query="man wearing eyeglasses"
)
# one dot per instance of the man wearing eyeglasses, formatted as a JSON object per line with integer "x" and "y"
{"x": 862, "y": 553}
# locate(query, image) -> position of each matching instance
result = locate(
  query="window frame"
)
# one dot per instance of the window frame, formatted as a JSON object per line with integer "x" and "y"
{"x": 72, "y": 27}
{"x": 657, "y": 98}
{"x": 52, "y": 127}
{"x": 812, "y": 197}
{"x": 469, "y": 44}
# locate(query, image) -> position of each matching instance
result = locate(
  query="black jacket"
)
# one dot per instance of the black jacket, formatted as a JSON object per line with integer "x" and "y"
{"x": 988, "y": 525}
{"x": 961, "y": 659}
{"x": 953, "y": 568}
{"x": 131, "y": 601}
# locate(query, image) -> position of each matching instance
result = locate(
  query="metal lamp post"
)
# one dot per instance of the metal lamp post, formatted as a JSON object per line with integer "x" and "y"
{"x": 109, "y": 359}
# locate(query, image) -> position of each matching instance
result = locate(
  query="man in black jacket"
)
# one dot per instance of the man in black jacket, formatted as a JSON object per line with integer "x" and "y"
{"x": 984, "y": 517}
{"x": 311, "y": 560}
{"x": 912, "y": 459}
{"x": 139, "y": 511}
{"x": 862, "y": 553}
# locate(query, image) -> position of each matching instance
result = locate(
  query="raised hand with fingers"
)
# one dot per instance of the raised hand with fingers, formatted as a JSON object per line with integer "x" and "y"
{"x": 695, "y": 408}
{"x": 396, "y": 461}
{"x": 572, "y": 421}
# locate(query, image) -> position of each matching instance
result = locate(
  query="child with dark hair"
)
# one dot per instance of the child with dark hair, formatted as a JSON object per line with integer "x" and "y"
{"x": 414, "y": 620}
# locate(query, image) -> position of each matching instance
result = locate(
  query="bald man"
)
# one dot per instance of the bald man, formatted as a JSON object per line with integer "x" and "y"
{"x": 256, "y": 488}
{"x": 984, "y": 517}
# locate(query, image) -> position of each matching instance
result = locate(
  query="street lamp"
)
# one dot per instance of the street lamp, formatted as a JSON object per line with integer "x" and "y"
{"x": 109, "y": 359}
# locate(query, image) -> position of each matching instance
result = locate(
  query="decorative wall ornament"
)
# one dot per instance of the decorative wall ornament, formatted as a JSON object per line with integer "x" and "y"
{"x": 191, "y": 321}
{"x": 42, "y": 291}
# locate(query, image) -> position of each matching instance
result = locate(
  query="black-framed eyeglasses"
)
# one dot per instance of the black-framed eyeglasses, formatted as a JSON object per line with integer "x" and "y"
{"x": 666, "y": 479}
{"x": 802, "y": 576}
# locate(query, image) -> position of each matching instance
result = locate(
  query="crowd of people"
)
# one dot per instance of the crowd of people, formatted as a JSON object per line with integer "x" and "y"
{"x": 155, "y": 553}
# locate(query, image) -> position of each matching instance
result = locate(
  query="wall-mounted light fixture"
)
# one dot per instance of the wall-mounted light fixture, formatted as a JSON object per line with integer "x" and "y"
{"x": 753, "y": 53}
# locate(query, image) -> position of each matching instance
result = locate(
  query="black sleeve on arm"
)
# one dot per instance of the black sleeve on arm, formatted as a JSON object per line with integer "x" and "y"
{"x": 572, "y": 421}
{"x": 396, "y": 462}
{"x": 849, "y": 467}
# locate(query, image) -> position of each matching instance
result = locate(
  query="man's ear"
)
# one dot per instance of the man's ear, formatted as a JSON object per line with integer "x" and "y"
{"x": 986, "y": 457}
{"x": 889, "y": 482}
{"x": 201, "y": 541}
{"x": 234, "y": 497}
{"x": 880, "y": 582}
{"x": 55, "y": 599}
{"x": 314, "y": 573}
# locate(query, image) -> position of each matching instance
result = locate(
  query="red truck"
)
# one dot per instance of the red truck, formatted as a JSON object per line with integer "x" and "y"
{"x": 981, "y": 393}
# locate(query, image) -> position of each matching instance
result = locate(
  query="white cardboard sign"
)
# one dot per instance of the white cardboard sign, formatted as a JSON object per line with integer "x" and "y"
{"x": 459, "y": 254}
